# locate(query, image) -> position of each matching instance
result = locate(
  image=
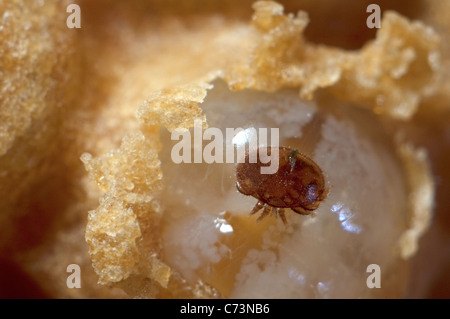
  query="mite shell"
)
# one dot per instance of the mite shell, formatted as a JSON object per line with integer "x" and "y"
{"x": 298, "y": 183}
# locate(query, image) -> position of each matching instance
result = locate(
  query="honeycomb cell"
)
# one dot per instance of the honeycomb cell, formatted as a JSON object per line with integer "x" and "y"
{"x": 209, "y": 236}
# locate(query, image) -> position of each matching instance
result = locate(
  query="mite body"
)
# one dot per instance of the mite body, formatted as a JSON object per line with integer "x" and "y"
{"x": 298, "y": 184}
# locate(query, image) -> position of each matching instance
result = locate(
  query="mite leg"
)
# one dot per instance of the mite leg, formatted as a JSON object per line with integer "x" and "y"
{"x": 302, "y": 211}
{"x": 282, "y": 215}
{"x": 275, "y": 211}
{"x": 324, "y": 195}
{"x": 257, "y": 207}
{"x": 266, "y": 211}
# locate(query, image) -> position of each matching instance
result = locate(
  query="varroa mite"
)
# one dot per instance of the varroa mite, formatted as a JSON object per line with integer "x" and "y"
{"x": 298, "y": 184}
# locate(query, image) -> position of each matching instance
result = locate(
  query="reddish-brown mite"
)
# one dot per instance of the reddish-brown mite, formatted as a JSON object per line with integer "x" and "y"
{"x": 298, "y": 184}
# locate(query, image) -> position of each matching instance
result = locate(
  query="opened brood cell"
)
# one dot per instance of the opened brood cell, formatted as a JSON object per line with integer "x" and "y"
{"x": 208, "y": 237}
